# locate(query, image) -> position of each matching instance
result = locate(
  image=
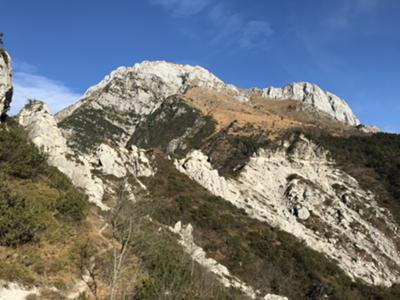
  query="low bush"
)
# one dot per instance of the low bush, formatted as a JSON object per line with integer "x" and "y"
{"x": 72, "y": 205}
{"x": 373, "y": 160}
{"x": 18, "y": 224}
{"x": 172, "y": 273}
{"x": 18, "y": 156}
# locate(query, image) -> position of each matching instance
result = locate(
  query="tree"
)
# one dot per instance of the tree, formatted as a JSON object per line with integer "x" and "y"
{"x": 122, "y": 229}
{"x": 88, "y": 268}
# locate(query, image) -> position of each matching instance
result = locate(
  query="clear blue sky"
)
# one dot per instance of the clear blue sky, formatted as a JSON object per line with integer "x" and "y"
{"x": 349, "y": 47}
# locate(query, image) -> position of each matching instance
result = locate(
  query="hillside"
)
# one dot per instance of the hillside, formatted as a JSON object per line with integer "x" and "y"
{"x": 163, "y": 182}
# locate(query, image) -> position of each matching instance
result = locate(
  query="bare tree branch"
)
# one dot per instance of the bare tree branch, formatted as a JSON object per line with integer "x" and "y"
{"x": 122, "y": 234}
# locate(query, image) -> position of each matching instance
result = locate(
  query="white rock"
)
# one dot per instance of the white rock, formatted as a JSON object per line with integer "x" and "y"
{"x": 268, "y": 190}
{"x": 109, "y": 160}
{"x": 314, "y": 95}
{"x": 142, "y": 88}
{"x": 14, "y": 291}
{"x": 369, "y": 128}
{"x": 274, "y": 297}
{"x": 119, "y": 162}
{"x": 139, "y": 163}
{"x": 6, "y": 87}
{"x": 303, "y": 213}
{"x": 44, "y": 132}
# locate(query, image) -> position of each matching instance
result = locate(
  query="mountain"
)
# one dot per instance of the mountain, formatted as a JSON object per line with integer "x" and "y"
{"x": 210, "y": 191}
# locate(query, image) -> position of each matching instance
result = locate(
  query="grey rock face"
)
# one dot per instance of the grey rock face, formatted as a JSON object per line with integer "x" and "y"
{"x": 314, "y": 95}
{"x": 297, "y": 185}
{"x": 81, "y": 168}
{"x": 128, "y": 95}
{"x": 6, "y": 88}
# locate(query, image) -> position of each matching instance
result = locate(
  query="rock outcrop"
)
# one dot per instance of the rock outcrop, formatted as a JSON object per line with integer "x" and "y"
{"x": 296, "y": 188}
{"x": 15, "y": 291}
{"x": 120, "y": 163}
{"x": 44, "y": 132}
{"x": 127, "y": 96}
{"x": 186, "y": 239}
{"x": 6, "y": 88}
{"x": 314, "y": 95}
{"x": 368, "y": 128}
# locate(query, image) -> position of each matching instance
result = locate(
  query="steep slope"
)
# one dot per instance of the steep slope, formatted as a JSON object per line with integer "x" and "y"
{"x": 265, "y": 258}
{"x": 223, "y": 161}
{"x": 83, "y": 168}
{"x": 53, "y": 245}
{"x": 43, "y": 218}
{"x": 299, "y": 191}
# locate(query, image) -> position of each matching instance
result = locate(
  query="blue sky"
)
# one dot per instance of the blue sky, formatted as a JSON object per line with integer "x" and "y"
{"x": 349, "y": 47}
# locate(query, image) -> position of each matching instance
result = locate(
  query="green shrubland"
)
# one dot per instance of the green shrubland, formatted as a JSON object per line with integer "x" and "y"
{"x": 40, "y": 212}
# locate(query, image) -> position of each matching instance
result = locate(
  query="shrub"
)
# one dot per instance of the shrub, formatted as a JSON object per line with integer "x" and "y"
{"x": 72, "y": 205}
{"x": 148, "y": 290}
{"x": 58, "y": 180}
{"x": 18, "y": 224}
{"x": 18, "y": 156}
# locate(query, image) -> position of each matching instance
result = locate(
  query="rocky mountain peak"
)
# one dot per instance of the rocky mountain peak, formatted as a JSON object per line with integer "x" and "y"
{"x": 6, "y": 88}
{"x": 314, "y": 95}
{"x": 174, "y": 76}
{"x": 140, "y": 89}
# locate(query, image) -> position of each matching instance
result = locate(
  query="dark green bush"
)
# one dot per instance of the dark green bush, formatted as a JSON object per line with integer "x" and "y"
{"x": 18, "y": 156}
{"x": 18, "y": 224}
{"x": 58, "y": 180}
{"x": 72, "y": 205}
{"x": 373, "y": 160}
{"x": 148, "y": 290}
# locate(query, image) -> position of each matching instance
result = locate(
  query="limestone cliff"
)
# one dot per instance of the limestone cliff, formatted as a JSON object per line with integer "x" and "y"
{"x": 80, "y": 167}
{"x": 314, "y": 95}
{"x": 6, "y": 88}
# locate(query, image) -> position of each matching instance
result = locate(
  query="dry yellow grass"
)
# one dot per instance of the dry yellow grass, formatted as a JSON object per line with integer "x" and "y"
{"x": 264, "y": 114}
